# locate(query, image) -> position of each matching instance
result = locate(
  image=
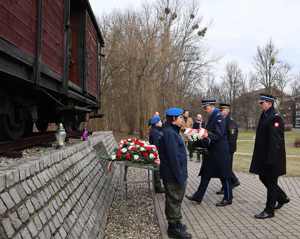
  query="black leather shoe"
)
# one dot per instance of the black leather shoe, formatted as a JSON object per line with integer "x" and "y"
{"x": 264, "y": 215}
{"x": 159, "y": 190}
{"x": 191, "y": 198}
{"x": 224, "y": 203}
{"x": 280, "y": 204}
{"x": 236, "y": 184}
{"x": 220, "y": 192}
{"x": 177, "y": 231}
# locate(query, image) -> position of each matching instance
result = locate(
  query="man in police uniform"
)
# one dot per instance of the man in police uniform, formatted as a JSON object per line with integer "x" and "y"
{"x": 232, "y": 135}
{"x": 269, "y": 159}
{"x": 173, "y": 171}
{"x": 215, "y": 163}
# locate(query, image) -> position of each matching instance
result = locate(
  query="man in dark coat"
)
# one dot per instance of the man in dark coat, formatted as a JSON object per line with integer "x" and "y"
{"x": 232, "y": 135}
{"x": 173, "y": 171}
{"x": 269, "y": 159}
{"x": 155, "y": 134}
{"x": 215, "y": 163}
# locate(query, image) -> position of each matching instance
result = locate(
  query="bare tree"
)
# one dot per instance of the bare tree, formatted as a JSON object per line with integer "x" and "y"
{"x": 270, "y": 72}
{"x": 153, "y": 60}
{"x": 295, "y": 85}
{"x": 232, "y": 83}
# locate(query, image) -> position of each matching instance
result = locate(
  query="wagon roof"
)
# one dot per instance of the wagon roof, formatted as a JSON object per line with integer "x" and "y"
{"x": 95, "y": 22}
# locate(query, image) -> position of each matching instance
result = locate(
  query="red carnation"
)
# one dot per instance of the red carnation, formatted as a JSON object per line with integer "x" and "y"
{"x": 119, "y": 153}
{"x": 127, "y": 156}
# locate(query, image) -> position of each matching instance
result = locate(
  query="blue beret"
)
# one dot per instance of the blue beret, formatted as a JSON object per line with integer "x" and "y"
{"x": 155, "y": 119}
{"x": 174, "y": 111}
{"x": 265, "y": 97}
{"x": 206, "y": 102}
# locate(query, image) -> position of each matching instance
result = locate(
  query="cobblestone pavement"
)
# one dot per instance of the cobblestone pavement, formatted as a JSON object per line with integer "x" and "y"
{"x": 237, "y": 220}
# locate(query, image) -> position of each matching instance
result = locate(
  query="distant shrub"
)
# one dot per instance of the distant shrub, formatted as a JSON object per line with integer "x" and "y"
{"x": 297, "y": 143}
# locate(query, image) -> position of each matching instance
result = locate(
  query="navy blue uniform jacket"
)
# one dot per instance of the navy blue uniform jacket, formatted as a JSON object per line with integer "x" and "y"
{"x": 155, "y": 135}
{"x": 216, "y": 162}
{"x": 173, "y": 158}
{"x": 269, "y": 156}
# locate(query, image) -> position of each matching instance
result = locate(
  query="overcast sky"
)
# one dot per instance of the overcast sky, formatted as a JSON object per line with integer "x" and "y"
{"x": 239, "y": 26}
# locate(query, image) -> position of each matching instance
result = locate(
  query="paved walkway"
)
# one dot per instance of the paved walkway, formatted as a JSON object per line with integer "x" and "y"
{"x": 236, "y": 221}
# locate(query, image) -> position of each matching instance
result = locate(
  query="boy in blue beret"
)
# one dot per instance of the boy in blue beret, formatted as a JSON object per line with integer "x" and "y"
{"x": 155, "y": 134}
{"x": 173, "y": 171}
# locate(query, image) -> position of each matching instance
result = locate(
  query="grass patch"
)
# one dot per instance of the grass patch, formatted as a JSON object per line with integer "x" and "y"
{"x": 245, "y": 146}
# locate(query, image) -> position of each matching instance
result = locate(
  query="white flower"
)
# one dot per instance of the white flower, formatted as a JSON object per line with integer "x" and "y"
{"x": 142, "y": 149}
{"x": 151, "y": 156}
{"x": 136, "y": 157}
{"x": 113, "y": 157}
{"x": 123, "y": 150}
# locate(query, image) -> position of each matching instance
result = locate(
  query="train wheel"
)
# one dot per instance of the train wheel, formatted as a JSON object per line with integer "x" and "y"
{"x": 13, "y": 127}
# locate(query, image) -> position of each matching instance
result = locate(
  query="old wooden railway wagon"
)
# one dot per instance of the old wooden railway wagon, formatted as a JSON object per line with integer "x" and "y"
{"x": 50, "y": 64}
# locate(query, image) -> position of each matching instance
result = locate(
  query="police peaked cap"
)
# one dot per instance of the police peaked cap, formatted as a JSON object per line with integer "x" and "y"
{"x": 265, "y": 97}
{"x": 224, "y": 106}
{"x": 174, "y": 111}
{"x": 155, "y": 119}
{"x": 207, "y": 102}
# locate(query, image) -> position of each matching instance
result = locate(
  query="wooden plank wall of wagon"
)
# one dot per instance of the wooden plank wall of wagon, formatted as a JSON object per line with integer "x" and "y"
{"x": 91, "y": 61}
{"x": 53, "y": 35}
{"x": 18, "y": 21}
{"x": 75, "y": 30}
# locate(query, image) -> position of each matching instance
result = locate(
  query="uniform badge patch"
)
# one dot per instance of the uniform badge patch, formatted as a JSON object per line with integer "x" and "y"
{"x": 276, "y": 124}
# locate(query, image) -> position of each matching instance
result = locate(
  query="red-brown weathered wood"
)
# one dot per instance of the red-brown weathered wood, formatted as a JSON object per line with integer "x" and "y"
{"x": 91, "y": 61}
{"x": 18, "y": 21}
{"x": 53, "y": 35}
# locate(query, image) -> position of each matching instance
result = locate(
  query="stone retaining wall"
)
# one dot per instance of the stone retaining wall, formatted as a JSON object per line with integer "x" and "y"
{"x": 65, "y": 194}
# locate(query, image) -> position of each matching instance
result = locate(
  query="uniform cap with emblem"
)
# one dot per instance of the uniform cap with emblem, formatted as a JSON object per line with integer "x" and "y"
{"x": 206, "y": 102}
{"x": 174, "y": 112}
{"x": 155, "y": 119}
{"x": 265, "y": 97}
{"x": 224, "y": 106}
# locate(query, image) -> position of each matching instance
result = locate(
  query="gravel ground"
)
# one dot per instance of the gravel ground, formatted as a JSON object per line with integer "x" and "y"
{"x": 31, "y": 153}
{"x": 134, "y": 218}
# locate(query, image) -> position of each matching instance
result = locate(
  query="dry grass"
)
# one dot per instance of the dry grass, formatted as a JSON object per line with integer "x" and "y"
{"x": 245, "y": 148}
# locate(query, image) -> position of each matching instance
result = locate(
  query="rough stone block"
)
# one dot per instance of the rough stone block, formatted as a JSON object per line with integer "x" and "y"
{"x": 21, "y": 191}
{"x": 29, "y": 206}
{"x": 26, "y": 188}
{"x": 8, "y": 228}
{"x": 15, "y": 196}
{"x": 37, "y": 222}
{"x": 15, "y": 220}
{"x": 31, "y": 185}
{"x": 62, "y": 233}
{"x": 23, "y": 213}
{"x": 32, "y": 228}
{"x": 25, "y": 233}
{"x": 36, "y": 203}
{"x": 6, "y": 198}
{"x": 2, "y": 182}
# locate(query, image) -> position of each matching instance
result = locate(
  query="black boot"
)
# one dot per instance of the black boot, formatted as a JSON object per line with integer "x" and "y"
{"x": 159, "y": 189}
{"x": 175, "y": 230}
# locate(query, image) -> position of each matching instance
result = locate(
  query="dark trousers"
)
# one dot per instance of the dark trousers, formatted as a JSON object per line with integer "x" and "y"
{"x": 156, "y": 180}
{"x": 233, "y": 177}
{"x": 199, "y": 194}
{"x": 274, "y": 192}
{"x": 174, "y": 196}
